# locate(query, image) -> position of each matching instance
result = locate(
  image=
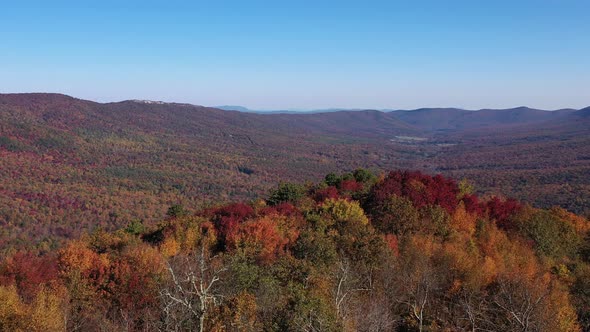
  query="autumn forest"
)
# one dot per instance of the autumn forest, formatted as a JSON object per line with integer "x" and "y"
{"x": 135, "y": 216}
{"x": 402, "y": 251}
{"x": 294, "y": 166}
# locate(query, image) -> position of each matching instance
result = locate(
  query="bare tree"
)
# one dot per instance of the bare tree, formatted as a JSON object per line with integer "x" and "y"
{"x": 310, "y": 323}
{"x": 417, "y": 281}
{"x": 347, "y": 284}
{"x": 193, "y": 290}
{"x": 418, "y": 299}
{"x": 374, "y": 314}
{"x": 521, "y": 304}
{"x": 474, "y": 308}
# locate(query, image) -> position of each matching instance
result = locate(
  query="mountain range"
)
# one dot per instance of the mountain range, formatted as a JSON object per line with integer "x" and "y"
{"x": 89, "y": 163}
{"x": 435, "y": 119}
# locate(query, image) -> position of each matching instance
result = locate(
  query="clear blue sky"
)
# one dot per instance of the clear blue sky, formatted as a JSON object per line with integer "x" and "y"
{"x": 302, "y": 54}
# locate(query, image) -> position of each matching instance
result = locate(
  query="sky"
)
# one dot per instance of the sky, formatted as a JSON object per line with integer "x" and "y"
{"x": 302, "y": 54}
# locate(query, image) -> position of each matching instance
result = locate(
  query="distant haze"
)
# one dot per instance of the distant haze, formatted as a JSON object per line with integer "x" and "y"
{"x": 302, "y": 54}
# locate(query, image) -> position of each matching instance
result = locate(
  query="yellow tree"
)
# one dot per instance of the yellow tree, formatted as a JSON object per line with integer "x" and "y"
{"x": 48, "y": 310}
{"x": 13, "y": 311}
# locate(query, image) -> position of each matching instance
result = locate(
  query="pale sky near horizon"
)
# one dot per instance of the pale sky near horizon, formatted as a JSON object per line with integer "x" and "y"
{"x": 302, "y": 54}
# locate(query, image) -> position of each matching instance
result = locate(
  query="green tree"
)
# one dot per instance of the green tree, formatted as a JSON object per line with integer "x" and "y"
{"x": 397, "y": 216}
{"x": 286, "y": 192}
{"x": 332, "y": 179}
{"x": 135, "y": 227}
{"x": 553, "y": 237}
{"x": 364, "y": 175}
{"x": 176, "y": 211}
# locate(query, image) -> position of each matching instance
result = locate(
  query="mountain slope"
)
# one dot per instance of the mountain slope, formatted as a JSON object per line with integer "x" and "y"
{"x": 431, "y": 119}
{"x": 584, "y": 112}
{"x": 368, "y": 123}
{"x": 444, "y": 119}
{"x": 67, "y": 161}
{"x": 76, "y": 162}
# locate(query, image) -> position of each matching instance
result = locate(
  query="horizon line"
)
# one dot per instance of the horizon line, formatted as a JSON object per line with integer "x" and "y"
{"x": 247, "y": 109}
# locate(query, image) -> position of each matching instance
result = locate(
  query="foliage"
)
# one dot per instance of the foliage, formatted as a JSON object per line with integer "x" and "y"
{"x": 553, "y": 236}
{"x": 344, "y": 211}
{"x": 413, "y": 254}
{"x": 286, "y": 192}
{"x": 70, "y": 166}
{"x": 176, "y": 210}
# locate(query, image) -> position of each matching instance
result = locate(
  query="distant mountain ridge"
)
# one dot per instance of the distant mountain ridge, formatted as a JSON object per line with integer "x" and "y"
{"x": 247, "y": 110}
{"x": 353, "y": 122}
{"x": 584, "y": 112}
{"x": 434, "y": 119}
{"x": 446, "y": 119}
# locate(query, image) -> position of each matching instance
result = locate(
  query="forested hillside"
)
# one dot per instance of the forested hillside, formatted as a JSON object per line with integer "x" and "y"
{"x": 386, "y": 166}
{"x": 404, "y": 251}
{"x": 70, "y": 165}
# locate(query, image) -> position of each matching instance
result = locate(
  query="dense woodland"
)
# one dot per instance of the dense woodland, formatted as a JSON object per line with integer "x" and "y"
{"x": 70, "y": 166}
{"x": 401, "y": 251}
{"x": 123, "y": 217}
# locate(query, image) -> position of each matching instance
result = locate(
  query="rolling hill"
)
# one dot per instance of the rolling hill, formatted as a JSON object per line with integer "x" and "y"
{"x": 445, "y": 119}
{"x": 69, "y": 165}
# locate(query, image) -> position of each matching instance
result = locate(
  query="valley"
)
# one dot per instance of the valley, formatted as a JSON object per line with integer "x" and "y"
{"x": 71, "y": 165}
